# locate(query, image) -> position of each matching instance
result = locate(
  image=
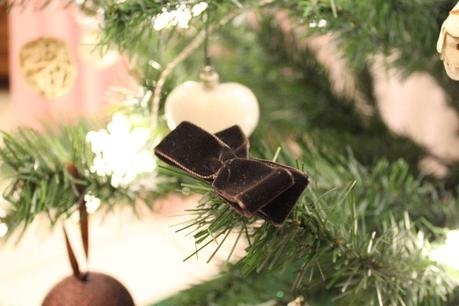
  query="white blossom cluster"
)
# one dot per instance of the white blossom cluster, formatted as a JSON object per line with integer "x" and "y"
{"x": 121, "y": 153}
{"x": 92, "y": 203}
{"x": 180, "y": 17}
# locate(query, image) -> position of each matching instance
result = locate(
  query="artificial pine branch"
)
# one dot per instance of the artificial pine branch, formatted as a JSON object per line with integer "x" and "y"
{"x": 233, "y": 288}
{"x": 36, "y": 165}
{"x": 350, "y": 232}
{"x": 297, "y": 98}
{"x": 342, "y": 235}
{"x": 365, "y": 28}
{"x": 344, "y": 195}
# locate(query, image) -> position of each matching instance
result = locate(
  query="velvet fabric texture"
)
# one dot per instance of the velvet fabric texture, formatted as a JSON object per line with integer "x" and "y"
{"x": 250, "y": 186}
{"x": 96, "y": 289}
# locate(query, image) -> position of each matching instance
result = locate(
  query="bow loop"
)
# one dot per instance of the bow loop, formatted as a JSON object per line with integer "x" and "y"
{"x": 234, "y": 138}
{"x": 250, "y": 186}
{"x": 194, "y": 151}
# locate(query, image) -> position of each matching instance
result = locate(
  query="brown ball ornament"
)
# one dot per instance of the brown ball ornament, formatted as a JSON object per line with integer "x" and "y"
{"x": 93, "y": 289}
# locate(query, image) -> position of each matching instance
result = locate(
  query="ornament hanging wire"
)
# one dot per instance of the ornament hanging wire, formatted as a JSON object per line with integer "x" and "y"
{"x": 207, "y": 59}
{"x": 185, "y": 53}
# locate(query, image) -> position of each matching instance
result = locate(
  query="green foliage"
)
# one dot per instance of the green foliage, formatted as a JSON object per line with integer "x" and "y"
{"x": 405, "y": 30}
{"x": 350, "y": 234}
{"x": 234, "y": 288}
{"x": 36, "y": 166}
{"x": 297, "y": 99}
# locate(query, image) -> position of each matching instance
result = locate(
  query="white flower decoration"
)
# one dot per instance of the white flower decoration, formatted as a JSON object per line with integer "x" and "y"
{"x": 199, "y": 8}
{"x": 121, "y": 152}
{"x": 179, "y": 17}
{"x": 92, "y": 203}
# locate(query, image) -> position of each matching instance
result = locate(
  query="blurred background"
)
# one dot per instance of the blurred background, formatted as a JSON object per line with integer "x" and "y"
{"x": 4, "y": 72}
{"x": 146, "y": 254}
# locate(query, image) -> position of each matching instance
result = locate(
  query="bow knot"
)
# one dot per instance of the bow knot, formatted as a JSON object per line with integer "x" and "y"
{"x": 250, "y": 186}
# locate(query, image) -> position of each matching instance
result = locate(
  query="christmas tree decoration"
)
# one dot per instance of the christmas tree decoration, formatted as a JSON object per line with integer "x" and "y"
{"x": 211, "y": 105}
{"x": 371, "y": 229}
{"x": 121, "y": 153}
{"x": 95, "y": 289}
{"x": 92, "y": 203}
{"x": 47, "y": 67}
{"x": 179, "y": 17}
{"x": 448, "y": 43}
{"x": 249, "y": 186}
{"x": 86, "y": 288}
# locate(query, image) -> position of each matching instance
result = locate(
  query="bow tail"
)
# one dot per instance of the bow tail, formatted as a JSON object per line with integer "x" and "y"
{"x": 279, "y": 209}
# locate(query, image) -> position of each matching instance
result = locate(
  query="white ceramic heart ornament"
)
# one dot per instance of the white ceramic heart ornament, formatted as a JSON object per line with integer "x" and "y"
{"x": 448, "y": 43}
{"x": 211, "y": 105}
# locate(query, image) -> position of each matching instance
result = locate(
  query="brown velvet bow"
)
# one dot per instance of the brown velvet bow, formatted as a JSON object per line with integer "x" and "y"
{"x": 250, "y": 186}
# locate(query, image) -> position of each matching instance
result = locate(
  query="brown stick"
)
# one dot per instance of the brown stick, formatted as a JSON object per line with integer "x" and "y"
{"x": 84, "y": 219}
{"x": 72, "y": 257}
{"x": 84, "y": 227}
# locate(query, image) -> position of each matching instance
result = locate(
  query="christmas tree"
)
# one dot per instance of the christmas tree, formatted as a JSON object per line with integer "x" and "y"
{"x": 330, "y": 203}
